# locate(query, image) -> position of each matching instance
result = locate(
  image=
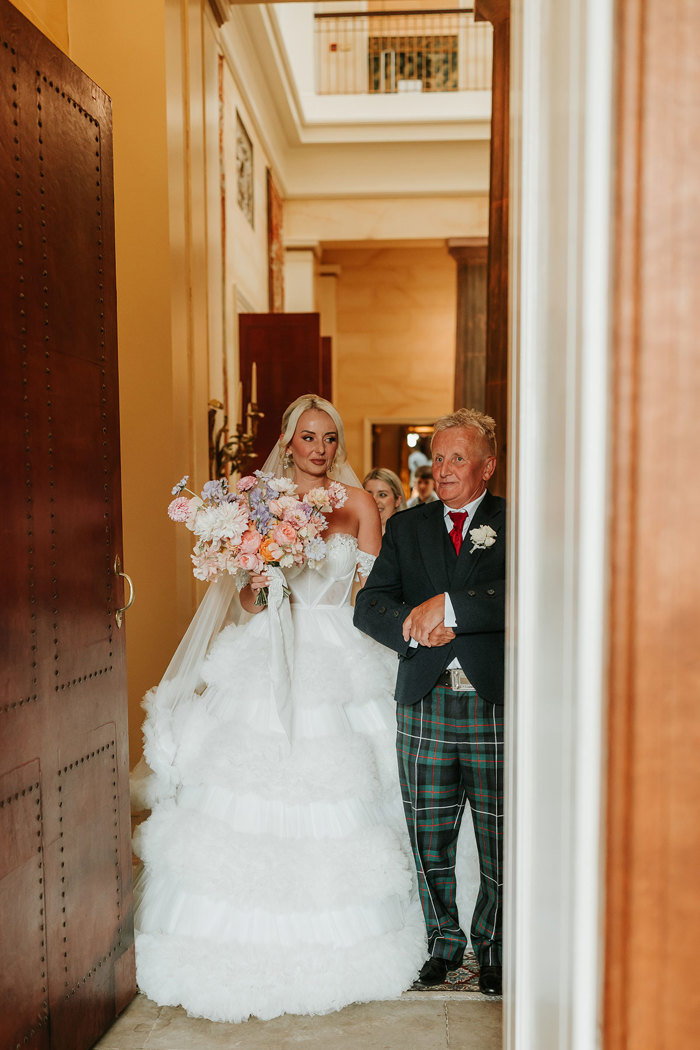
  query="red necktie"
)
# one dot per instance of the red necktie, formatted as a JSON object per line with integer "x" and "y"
{"x": 458, "y": 518}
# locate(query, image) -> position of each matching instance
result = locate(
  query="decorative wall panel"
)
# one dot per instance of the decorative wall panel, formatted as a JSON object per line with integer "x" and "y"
{"x": 275, "y": 246}
{"x": 244, "y": 170}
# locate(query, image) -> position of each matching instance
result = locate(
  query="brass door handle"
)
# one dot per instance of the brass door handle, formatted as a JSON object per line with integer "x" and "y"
{"x": 119, "y": 614}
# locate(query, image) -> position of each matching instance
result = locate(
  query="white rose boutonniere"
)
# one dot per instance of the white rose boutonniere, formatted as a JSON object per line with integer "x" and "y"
{"x": 482, "y": 538}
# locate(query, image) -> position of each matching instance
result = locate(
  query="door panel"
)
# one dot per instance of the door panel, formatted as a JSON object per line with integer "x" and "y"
{"x": 66, "y": 951}
{"x": 291, "y": 361}
{"x": 24, "y": 994}
{"x": 325, "y": 386}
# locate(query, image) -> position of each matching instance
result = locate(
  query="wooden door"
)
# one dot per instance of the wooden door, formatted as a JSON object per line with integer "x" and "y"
{"x": 651, "y": 996}
{"x": 66, "y": 947}
{"x": 291, "y": 360}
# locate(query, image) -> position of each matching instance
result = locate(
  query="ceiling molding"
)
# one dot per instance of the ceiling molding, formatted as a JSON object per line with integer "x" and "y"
{"x": 311, "y": 118}
{"x": 426, "y": 158}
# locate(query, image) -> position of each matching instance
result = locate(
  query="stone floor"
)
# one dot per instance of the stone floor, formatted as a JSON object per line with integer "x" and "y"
{"x": 417, "y": 1021}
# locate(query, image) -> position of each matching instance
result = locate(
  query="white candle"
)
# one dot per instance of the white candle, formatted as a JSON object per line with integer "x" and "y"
{"x": 254, "y": 384}
{"x": 239, "y": 406}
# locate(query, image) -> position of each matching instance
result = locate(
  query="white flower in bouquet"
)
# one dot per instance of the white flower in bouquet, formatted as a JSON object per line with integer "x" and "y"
{"x": 228, "y": 521}
{"x": 326, "y": 500}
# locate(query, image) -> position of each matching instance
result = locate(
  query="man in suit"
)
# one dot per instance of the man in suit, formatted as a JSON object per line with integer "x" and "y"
{"x": 436, "y": 595}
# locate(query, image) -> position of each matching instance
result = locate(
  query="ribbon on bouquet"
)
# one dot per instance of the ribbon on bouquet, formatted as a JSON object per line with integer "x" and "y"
{"x": 279, "y": 616}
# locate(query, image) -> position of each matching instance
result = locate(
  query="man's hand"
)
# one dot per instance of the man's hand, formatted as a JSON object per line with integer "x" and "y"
{"x": 423, "y": 619}
{"x": 440, "y": 635}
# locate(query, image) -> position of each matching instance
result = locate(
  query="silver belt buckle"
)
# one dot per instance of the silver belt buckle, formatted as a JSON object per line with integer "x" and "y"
{"x": 459, "y": 681}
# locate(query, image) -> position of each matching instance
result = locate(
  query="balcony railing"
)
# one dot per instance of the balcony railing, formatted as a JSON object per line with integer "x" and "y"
{"x": 370, "y": 52}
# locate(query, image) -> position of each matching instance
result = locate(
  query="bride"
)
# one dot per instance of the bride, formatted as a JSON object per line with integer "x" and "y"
{"x": 277, "y": 872}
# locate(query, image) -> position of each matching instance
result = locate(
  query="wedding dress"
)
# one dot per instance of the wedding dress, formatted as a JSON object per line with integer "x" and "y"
{"x": 277, "y": 871}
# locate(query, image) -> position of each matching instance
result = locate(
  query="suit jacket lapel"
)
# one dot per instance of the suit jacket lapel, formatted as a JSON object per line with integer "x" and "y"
{"x": 430, "y": 544}
{"x": 488, "y": 513}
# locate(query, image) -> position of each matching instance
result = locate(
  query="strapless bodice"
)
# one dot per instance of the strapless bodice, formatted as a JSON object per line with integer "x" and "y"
{"x": 331, "y": 583}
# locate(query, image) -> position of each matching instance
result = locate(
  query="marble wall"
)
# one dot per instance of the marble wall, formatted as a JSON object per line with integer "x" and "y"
{"x": 354, "y": 219}
{"x": 395, "y": 338}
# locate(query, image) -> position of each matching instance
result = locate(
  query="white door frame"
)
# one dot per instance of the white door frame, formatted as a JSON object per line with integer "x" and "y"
{"x": 561, "y": 168}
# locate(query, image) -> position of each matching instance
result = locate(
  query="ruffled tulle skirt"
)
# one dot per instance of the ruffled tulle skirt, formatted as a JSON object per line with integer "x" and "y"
{"x": 278, "y": 877}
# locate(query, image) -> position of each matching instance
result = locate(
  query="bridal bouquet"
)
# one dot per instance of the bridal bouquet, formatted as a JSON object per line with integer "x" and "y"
{"x": 258, "y": 523}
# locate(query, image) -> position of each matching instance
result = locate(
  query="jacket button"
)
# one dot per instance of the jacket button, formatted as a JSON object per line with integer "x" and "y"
{"x": 382, "y": 608}
{"x": 471, "y": 594}
{"x": 396, "y": 612}
{"x": 373, "y": 602}
{"x": 490, "y": 591}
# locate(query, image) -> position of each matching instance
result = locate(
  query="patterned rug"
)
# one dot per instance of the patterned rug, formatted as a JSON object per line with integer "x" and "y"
{"x": 465, "y": 980}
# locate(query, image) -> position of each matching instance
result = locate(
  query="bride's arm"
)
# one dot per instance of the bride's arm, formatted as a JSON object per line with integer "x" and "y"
{"x": 249, "y": 593}
{"x": 369, "y": 532}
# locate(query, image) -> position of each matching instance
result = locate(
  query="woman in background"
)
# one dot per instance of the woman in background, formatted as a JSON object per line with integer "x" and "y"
{"x": 387, "y": 490}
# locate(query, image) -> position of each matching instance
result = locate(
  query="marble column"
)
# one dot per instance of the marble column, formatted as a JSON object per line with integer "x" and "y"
{"x": 496, "y": 400}
{"x": 300, "y": 276}
{"x": 470, "y": 352}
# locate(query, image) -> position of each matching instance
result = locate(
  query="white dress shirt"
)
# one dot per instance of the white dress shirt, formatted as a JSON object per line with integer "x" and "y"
{"x": 471, "y": 508}
{"x": 450, "y": 618}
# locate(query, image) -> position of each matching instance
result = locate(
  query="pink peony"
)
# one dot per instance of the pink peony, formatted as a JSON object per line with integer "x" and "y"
{"x": 179, "y": 509}
{"x": 250, "y": 541}
{"x": 194, "y": 504}
{"x": 243, "y": 484}
{"x": 275, "y": 507}
{"x": 250, "y": 562}
{"x": 296, "y": 516}
{"x": 318, "y": 498}
{"x": 284, "y": 533}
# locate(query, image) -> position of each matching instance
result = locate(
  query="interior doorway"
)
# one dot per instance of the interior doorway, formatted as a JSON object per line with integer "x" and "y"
{"x": 401, "y": 445}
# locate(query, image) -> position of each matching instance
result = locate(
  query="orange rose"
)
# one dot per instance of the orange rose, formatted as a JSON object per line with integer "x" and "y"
{"x": 269, "y": 550}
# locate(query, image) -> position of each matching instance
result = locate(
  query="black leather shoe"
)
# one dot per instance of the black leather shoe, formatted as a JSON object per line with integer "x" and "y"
{"x": 433, "y": 972}
{"x": 491, "y": 980}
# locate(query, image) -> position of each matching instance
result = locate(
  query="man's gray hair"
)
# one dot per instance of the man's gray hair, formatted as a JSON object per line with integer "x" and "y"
{"x": 470, "y": 417}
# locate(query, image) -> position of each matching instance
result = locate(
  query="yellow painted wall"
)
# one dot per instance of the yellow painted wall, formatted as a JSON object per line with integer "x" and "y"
{"x": 121, "y": 44}
{"x": 395, "y": 344}
{"x": 50, "y": 16}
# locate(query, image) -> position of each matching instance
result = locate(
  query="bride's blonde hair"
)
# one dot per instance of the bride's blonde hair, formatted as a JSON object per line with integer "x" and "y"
{"x": 293, "y": 413}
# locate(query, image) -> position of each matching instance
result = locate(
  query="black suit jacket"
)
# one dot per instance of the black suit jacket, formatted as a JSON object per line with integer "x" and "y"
{"x": 417, "y": 561}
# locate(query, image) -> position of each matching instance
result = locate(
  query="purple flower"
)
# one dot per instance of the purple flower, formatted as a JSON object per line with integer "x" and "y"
{"x": 215, "y": 490}
{"x": 180, "y": 485}
{"x": 262, "y": 518}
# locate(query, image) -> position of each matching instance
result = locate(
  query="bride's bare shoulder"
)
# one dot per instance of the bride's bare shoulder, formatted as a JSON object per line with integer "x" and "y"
{"x": 359, "y": 500}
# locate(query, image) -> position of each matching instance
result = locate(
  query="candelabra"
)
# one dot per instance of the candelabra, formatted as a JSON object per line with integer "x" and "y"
{"x": 231, "y": 454}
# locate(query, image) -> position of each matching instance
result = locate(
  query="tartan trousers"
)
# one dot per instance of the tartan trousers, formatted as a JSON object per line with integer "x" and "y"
{"x": 450, "y": 752}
